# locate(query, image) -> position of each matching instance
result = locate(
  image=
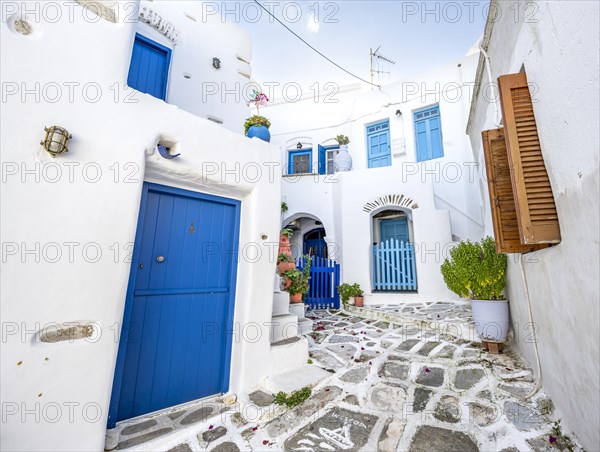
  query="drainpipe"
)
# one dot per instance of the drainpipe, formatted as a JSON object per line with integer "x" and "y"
{"x": 490, "y": 79}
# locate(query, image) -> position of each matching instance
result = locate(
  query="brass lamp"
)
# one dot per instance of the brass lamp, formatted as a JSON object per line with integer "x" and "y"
{"x": 56, "y": 140}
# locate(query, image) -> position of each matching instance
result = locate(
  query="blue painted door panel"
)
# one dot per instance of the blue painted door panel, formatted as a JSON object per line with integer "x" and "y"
{"x": 396, "y": 229}
{"x": 149, "y": 67}
{"x": 378, "y": 145}
{"x": 177, "y": 348}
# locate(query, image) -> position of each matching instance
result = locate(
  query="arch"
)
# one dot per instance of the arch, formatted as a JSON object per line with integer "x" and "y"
{"x": 396, "y": 200}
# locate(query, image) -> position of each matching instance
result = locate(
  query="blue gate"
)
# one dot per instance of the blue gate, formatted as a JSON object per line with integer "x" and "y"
{"x": 175, "y": 346}
{"x": 394, "y": 266}
{"x": 324, "y": 281}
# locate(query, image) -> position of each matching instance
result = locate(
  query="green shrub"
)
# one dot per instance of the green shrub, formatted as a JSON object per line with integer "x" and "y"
{"x": 284, "y": 207}
{"x": 295, "y": 398}
{"x": 299, "y": 279}
{"x": 475, "y": 270}
{"x": 348, "y": 291}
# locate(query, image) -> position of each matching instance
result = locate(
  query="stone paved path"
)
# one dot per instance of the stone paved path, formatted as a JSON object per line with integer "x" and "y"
{"x": 392, "y": 387}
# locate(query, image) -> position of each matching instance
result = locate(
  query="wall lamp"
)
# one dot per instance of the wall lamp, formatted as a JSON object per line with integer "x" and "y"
{"x": 398, "y": 113}
{"x": 56, "y": 140}
{"x": 299, "y": 145}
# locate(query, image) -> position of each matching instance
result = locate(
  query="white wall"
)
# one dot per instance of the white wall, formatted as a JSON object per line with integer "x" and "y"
{"x": 559, "y": 51}
{"x": 41, "y": 208}
{"x": 209, "y": 92}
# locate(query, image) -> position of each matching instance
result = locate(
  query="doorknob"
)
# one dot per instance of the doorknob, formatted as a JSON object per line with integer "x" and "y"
{"x": 160, "y": 259}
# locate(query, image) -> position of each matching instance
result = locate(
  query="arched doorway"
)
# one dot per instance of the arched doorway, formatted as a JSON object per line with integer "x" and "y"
{"x": 314, "y": 243}
{"x": 393, "y": 254}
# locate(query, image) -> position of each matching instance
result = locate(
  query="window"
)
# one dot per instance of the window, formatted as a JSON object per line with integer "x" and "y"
{"x": 331, "y": 153}
{"x": 326, "y": 157}
{"x": 300, "y": 162}
{"x": 523, "y": 209}
{"x": 378, "y": 145}
{"x": 428, "y": 134}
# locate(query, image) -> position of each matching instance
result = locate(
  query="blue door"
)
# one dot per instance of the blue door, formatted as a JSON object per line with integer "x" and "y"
{"x": 149, "y": 67}
{"x": 378, "y": 145}
{"x": 396, "y": 229}
{"x": 176, "y": 339}
{"x": 314, "y": 243}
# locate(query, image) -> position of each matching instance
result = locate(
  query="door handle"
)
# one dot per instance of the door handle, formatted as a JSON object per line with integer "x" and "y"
{"x": 160, "y": 259}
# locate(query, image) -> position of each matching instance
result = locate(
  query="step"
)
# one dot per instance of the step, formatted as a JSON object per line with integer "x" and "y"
{"x": 283, "y": 327}
{"x": 281, "y": 303}
{"x": 288, "y": 355}
{"x": 305, "y": 326}
{"x": 290, "y": 381}
{"x": 297, "y": 309}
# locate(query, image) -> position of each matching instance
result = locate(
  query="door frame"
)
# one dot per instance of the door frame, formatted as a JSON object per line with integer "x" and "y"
{"x": 157, "y": 46}
{"x": 122, "y": 349}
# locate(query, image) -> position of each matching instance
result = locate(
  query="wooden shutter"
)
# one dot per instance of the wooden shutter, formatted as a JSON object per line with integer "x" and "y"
{"x": 537, "y": 217}
{"x": 502, "y": 201}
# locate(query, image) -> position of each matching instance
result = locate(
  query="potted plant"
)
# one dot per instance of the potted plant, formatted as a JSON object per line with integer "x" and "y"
{"x": 258, "y": 126}
{"x": 297, "y": 282}
{"x": 285, "y": 263}
{"x": 476, "y": 272}
{"x": 351, "y": 294}
{"x": 343, "y": 160}
{"x": 284, "y": 207}
{"x": 284, "y": 242}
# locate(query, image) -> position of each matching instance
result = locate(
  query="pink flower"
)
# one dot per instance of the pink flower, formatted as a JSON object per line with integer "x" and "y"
{"x": 362, "y": 348}
{"x": 426, "y": 370}
{"x": 254, "y": 429}
{"x": 210, "y": 427}
{"x": 552, "y": 439}
{"x": 265, "y": 442}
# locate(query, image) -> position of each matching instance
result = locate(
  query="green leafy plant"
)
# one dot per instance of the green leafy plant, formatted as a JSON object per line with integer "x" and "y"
{"x": 348, "y": 291}
{"x": 475, "y": 270}
{"x": 310, "y": 361}
{"x": 256, "y": 121}
{"x": 342, "y": 140}
{"x": 284, "y": 207}
{"x": 287, "y": 232}
{"x": 559, "y": 439}
{"x": 299, "y": 280}
{"x": 293, "y": 399}
{"x": 284, "y": 258}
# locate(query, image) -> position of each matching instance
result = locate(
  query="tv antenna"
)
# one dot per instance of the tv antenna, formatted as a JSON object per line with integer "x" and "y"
{"x": 379, "y": 57}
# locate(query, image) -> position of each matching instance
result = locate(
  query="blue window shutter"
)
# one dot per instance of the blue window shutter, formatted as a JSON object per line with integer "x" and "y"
{"x": 378, "y": 145}
{"x": 322, "y": 160}
{"x": 149, "y": 67}
{"x": 428, "y": 134}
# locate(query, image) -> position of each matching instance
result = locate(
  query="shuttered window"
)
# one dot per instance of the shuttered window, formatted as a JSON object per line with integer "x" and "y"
{"x": 527, "y": 205}
{"x": 502, "y": 201}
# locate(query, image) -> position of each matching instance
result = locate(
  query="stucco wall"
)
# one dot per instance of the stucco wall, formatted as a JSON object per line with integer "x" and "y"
{"x": 559, "y": 51}
{"x": 56, "y": 396}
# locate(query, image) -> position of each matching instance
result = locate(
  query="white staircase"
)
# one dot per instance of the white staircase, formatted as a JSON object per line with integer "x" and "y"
{"x": 304, "y": 324}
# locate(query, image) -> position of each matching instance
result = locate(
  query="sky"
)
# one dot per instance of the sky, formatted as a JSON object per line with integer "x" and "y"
{"x": 416, "y": 35}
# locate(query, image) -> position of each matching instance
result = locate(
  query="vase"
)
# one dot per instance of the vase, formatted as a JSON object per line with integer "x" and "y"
{"x": 260, "y": 132}
{"x": 342, "y": 161}
{"x": 491, "y": 319}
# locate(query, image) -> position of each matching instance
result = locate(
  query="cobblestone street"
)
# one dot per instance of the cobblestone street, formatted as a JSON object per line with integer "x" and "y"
{"x": 392, "y": 387}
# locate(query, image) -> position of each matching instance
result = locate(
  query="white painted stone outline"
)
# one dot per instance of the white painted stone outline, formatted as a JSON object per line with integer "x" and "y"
{"x": 395, "y": 200}
{"x": 156, "y": 21}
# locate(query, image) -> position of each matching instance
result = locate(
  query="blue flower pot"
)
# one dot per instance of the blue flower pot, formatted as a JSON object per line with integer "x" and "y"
{"x": 260, "y": 132}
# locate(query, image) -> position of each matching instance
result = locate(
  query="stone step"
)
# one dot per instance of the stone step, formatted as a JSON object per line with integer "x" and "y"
{"x": 297, "y": 309}
{"x": 306, "y": 375}
{"x": 277, "y": 286}
{"x": 305, "y": 326}
{"x": 288, "y": 354}
{"x": 281, "y": 303}
{"x": 283, "y": 327}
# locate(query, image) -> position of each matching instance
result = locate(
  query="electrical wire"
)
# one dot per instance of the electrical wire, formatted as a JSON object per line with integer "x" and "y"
{"x": 313, "y": 48}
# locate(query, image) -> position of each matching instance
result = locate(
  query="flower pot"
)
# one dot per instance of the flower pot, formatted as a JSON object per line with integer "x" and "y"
{"x": 282, "y": 267}
{"x": 260, "y": 132}
{"x": 296, "y": 298}
{"x": 491, "y": 319}
{"x": 287, "y": 282}
{"x": 351, "y": 301}
{"x": 342, "y": 161}
{"x": 359, "y": 301}
{"x": 284, "y": 246}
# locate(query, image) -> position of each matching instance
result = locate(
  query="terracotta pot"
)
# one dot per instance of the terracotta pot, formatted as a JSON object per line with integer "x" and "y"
{"x": 284, "y": 246}
{"x": 282, "y": 267}
{"x": 358, "y": 301}
{"x": 296, "y": 298}
{"x": 287, "y": 283}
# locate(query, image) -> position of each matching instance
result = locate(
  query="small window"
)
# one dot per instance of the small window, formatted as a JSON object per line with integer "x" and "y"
{"x": 428, "y": 134}
{"x": 331, "y": 153}
{"x": 300, "y": 162}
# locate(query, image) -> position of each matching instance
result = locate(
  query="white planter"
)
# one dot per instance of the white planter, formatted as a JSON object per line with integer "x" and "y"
{"x": 342, "y": 161}
{"x": 491, "y": 319}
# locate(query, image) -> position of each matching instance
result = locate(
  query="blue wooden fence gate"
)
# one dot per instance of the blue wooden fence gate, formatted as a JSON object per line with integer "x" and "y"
{"x": 394, "y": 266}
{"x": 324, "y": 281}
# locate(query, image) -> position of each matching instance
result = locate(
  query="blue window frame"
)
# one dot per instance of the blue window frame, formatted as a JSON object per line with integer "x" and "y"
{"x": 378, "y": 144}
{"x": 300, "y": 162}
{"x": 428, "y": 134}
{"x": 326, "y": 156}
{"x": 149, "y": 67}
